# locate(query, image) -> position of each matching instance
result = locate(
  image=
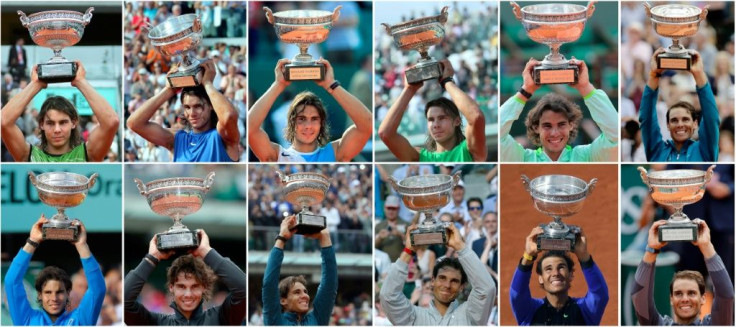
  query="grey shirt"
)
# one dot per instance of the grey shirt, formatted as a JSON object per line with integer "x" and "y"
{"x": 473, "y": 312}
{"x": 721, "y": 310}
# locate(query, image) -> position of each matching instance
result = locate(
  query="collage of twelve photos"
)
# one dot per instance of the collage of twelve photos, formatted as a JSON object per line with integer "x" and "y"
{"x": 367, "y": 163}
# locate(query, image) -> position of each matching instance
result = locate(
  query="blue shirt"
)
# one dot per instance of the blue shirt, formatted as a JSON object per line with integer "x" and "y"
{"x": 323, "y": 301}
{"x": 323, "y": 154}
{"x": 199, "y": 147}
{"x": 704, "y": 149}
{"x": 23, "y": 315}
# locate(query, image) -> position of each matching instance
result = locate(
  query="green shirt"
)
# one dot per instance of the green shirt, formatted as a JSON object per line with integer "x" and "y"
{"x": 459, "y": 153}
{"x": 78, "y": 154}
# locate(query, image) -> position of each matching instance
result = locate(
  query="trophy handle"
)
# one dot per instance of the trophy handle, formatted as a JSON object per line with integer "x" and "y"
{"x": 443, "y": 15}
{"x": 526, "y": 181}
{"x": 456, "y": 178}
{"x": 209, "y": 180}
{"x": 709, "y": 174}
{"x": 591, "y": 186}
{"x": 336, "y": 13}
{"x": 197, "y": 24}
{"x": 704, "y": 13}
{"x": 92, "y": 180}
{"x": 269, "y": 14}
{"x": 33, "y": 179}
{"x": 394, "y": 184}
{"x": 148, "y": 26}
{"x": 88, "y": 15}
{"x": 282, "y": 177}
{"x": 644, "y": 177}
{"x": 648, "y": 8}
{"x": 590, "y": 9}
{"x": 23, "y": 18}
{"x": 141, "y": 187}
{"x": 387, "y": 27}
{"x": 517, "y": 9}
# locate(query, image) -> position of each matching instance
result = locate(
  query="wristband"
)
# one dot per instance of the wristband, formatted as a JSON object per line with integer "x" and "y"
{"x": 652, "y": 250}
{"x": 283, "y": 239}
{"x": 524, "y": 93}
{"x": 333, "y": 86}
{"x": 32, "y": 243}
{"x": 409, "y": 251}
{"x": 445, "y": 81}
{"x": 528, "y": 257}
{"x": 153, "y": 259}
{"x": 655, "y": 74}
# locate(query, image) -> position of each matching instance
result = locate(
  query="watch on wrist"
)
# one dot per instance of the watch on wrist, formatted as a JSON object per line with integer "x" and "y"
{"x": 652, "y": 250}
{"x": 524, "y": 93}
{"x": 333, "y": 86}
{"x": 32, "y": 243}
{"x": 283, "y": 239}
{"x": 153, "y": 259}
{"x": 445, "y": 81}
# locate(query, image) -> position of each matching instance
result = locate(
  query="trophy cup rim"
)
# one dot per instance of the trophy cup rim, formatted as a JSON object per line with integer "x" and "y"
{"x": 302, "y": 182}
{"x": 194, "y": 182}
{"x": 82, "y": 186}
{"x": 405, "y": 187}
{"x": 659, "y": 15}
{"x": 439, "y": 19}
{"x": 539, "y": 194}
{"x": 540, "y": 17}
{"x": 36, "y": 18}
{"x": 299, "y": 17}
{"x": 677, "y": 177}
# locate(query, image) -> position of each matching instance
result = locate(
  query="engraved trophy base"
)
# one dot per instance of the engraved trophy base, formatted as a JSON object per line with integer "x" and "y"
{"x": 187, "y": 78}
{"x": 428, "y": 235}
{"x": 307, "y": 223}
{"x": 177, "y": 240}
{"x": 687, "y": 231}
{"x": 57, "y": 72}
{"x": 60, "y": 233}
{"x": 560, "y": 242}
{"x": 674, "y": 61}
{"x": 563, "y": 74}
{"x": 423, "y": 71}
{"x": 309, "y": 71}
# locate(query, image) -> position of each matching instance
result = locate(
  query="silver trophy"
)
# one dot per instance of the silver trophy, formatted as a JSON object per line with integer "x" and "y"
{"x": 427, "y": 194}
{"x": 61, "y": 190}
{"x": 179, "y": 36}
{"x": 675, "y": 21}
{"x": 303, "y": 28}
{"x": 558, "y": 196}
{"x": 554, "y": 24}
{"x": 305, "y": 190}
{"x": 677, "y": 188}
{"x": 176, "y": 197}
{"x": 56, "y": 29}
{"x": 420, "y": 34}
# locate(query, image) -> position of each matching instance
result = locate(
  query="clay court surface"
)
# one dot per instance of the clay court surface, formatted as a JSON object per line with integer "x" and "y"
{"x": 598, "y": 218}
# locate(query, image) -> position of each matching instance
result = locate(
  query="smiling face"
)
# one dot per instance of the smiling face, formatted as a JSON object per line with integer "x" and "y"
{"x": 447, "y": 285}
{"x": 57, "y": 128}
{"x": 686, "y": 299}
{"x": 307, "y": 124}
{"x": 187, "y": 292}
{"x": 441, "y": 125}
{"x": 296, "y": 300}
{"x": 54, "y": 297}
{"x": 556, "y": 275}
{"x": 554, "y": 132}
{"x": 681, "y": 124}
{"x": 197, "y": 112}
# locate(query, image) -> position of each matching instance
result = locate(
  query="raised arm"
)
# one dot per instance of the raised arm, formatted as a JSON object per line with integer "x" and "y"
{"x": 99, "y": 141}
{"x": 258, "y": 139}
{"x": 642, "y": 295}
{"x": 139, "y": 121}
{"x": 388, "y": 131}
{"x": 510, "y": 112}
{"x": 270, "y": 291}
{"x": 650, "y": 132}
{"x": 475, "y": 132}
{"x": 227, "y": 116}
{"x": 18, "y": 305}
{"x": 483, "y": 293}
{"x": 399, "y": 311}
{"x": 522, "y": 303}
{"x": 11, "y": 134}
{"x": 136, "y": 313}
{"x": 594, "y": 303}
{"x": 356, "y": 136}
{"x": 709, "y": 129}
{"x": 91, "y": 304}
{"x": 723, "y": 299}
{"x": 324, "y": 300}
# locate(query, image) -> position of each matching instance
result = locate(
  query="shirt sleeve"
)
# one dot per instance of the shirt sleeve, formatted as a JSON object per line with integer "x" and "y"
{"x": 722, "y": 308}
{"x": 522, "y": 304}
{"x": 708, "y": 131}
{"x": 271, "y": 304}
{"x": 643, "y": 296}
{"x": 232, "y": 311}
{"x": 604, "y": 114}
{"x": 136, "y": 313}
{"x": 481, "y": 298}
{"x": 650, "y": 133}
{"x": 91, "y": 304}
{"x": 324, "y": 300}
{"x": 594, "y": 303}
{"x": 399, "y": 311}
{"x": 510, "y": 111}
{"x": 20, "y": 309}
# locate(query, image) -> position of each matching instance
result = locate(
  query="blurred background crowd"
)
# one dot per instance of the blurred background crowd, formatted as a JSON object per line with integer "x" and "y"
{"x": 473, "y": 210}
{"x": 713, "y": 40}
{"x": 470, "y": 44}
{"x": 348, "y": 210}
{"x": 223, "y": 42}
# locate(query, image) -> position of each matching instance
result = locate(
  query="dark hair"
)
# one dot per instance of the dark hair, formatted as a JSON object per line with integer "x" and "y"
{"x": 476, "y": 199}
{"x": 286, "y": 284}
{"x": 558, "y": 104}
{"x": 557, "y": 254}
{"x": 189, "y": 265}
{"x": 201, "y": 93}
{"x": 65, "y": 106}
{"x": 300, "y": 102}
{"x": 450, "y": 109}
{"x": 694, "y": 112}
{"x": 451, "y": 263}
{"x": 53, "y": 273}
{"x": 693, "y": 275}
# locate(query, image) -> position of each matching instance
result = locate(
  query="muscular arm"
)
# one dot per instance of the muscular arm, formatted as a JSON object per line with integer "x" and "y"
{"x": 11, "y": 134}
{"x": 604, "y": 147}
{"x": 594, "y": 303}
{"x": 227, "y": 119}
{"x": 510, "y": 111}
{"x": 270, "y": 292}
{"x": 643, "y": 293}
{"x": 258, "y": 139}
{"x": 481, "y": 298}
{"x": 397, "y": 307}
{"x": 139, "y": 121}
{"x": 324, "y": 300}
{"x": 91, "y": 304}
{"x": 232, "y": 311}
{"x": 20, "y": 309}
{"x": 475, "y": 133}
{"x": 722, "y": 308}
{"x": 136, "y": 313}
{"x": 522, "y": 304}
{"x": 708, "y": 132}
{"x": 650, "y": 133}
{"x": 101, "y": 138}
{"x": 388, "y": 131}
{"x": 357, "y": 135}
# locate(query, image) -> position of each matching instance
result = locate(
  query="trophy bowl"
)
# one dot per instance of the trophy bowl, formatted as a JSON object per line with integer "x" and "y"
{"x": 675, "y": 21}
{"x": 558, "y": 195}
{"x": 305, "y": 190}
{"x": 61, "y": 190}
{"x": 175, "y": 198}
{"x": 56, "y": 29}
{"x": 179, "y": 36}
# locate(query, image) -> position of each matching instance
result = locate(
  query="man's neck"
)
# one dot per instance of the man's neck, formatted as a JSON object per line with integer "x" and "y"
{"x": 441, "y": 307}
{"x": 447, "y": 145}
{"x": 554, "y": 156}
{"x": 558, "y": 300}
{"x": 678, "y": 145}
{"x": 685, "y": 322}
{"x": 202, "y": 130}
{"x": 304, "y": 147}
{"x": 58, "y": 150}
